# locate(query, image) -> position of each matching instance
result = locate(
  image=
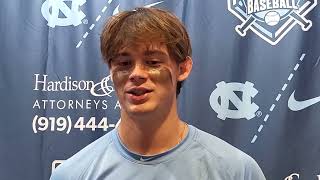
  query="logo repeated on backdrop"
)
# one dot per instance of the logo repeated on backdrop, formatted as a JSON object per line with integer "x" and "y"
{"x": 225, "y": 94}
{"x": 271, "y": 19}
{"x": 103, "y": 88}
{"x": 296, "y": 176}
{"x": 296, "y": 105}
{"x": 58, "y": 13}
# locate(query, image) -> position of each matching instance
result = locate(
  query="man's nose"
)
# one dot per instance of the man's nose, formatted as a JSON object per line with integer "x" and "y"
{"x": 139, "y": 73}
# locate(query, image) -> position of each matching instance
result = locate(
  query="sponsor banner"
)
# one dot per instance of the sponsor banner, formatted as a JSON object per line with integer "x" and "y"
{"x": 64, "y": 124}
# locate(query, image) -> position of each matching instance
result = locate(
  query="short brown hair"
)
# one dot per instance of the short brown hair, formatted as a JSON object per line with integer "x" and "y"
{"x": 145, "y": 25}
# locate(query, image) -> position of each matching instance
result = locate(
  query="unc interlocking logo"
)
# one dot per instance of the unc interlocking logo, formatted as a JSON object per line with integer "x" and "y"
{"x": 221, "y": 97}
{"x": 73, "y": 16}
{"x": 271, "y": 19}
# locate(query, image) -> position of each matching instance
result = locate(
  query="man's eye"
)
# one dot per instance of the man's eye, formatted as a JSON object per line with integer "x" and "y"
{"x": 123, "y": 63}
{"x": 153, "y": 62}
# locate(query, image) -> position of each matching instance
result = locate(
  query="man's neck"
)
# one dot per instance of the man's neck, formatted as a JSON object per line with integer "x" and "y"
{"x": 148, "y": 135}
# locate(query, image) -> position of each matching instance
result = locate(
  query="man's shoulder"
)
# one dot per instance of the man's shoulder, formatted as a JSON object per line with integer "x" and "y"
{"x": 77, "y": 165}
{"x": 228, "y": 157}
{"x": 218, "y": 147}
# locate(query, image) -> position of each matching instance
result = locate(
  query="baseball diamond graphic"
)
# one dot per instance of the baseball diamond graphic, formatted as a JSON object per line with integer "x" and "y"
{"x": 271, "y": 23}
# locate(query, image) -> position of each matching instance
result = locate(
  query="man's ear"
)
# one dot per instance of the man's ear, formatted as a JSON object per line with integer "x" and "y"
{"x": 185, "y": 68}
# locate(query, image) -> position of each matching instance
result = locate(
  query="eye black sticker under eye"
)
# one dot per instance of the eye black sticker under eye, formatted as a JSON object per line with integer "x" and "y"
{"x": 157, "y": 75}
{"x": 161, "y": 74}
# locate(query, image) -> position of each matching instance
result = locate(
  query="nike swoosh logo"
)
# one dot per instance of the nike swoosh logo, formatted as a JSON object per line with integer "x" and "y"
{"x": 295, "y": 105}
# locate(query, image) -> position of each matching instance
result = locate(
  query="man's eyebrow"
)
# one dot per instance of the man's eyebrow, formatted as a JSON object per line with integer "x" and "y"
{"x": 154, "y": 52}
{"x": 121, "y": 54}
{"x": 146, "y": 53}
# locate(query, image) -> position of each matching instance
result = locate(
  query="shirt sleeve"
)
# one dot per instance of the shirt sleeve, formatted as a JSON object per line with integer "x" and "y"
{"x": 56, "y": 176}
{"x": 253, "y": 171}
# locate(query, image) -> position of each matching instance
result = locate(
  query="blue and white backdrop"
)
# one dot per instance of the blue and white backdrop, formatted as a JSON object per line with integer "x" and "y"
{"x": 255, "y": 81}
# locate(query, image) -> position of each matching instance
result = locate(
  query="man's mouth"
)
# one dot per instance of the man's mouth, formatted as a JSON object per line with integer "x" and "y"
{"x": 138, "y": 91}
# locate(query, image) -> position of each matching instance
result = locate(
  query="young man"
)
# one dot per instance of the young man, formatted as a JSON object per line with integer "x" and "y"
{"x": 148, "y": 52}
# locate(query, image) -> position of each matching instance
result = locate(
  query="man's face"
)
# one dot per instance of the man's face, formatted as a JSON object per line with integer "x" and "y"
{"x": 145, "y": 78}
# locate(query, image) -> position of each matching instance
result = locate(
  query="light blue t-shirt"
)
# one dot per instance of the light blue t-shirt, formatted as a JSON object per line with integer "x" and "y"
{"x": 200, "y": 156}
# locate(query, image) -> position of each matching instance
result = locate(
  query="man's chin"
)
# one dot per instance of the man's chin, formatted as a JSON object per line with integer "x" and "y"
{"x": 141, "y": 109}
